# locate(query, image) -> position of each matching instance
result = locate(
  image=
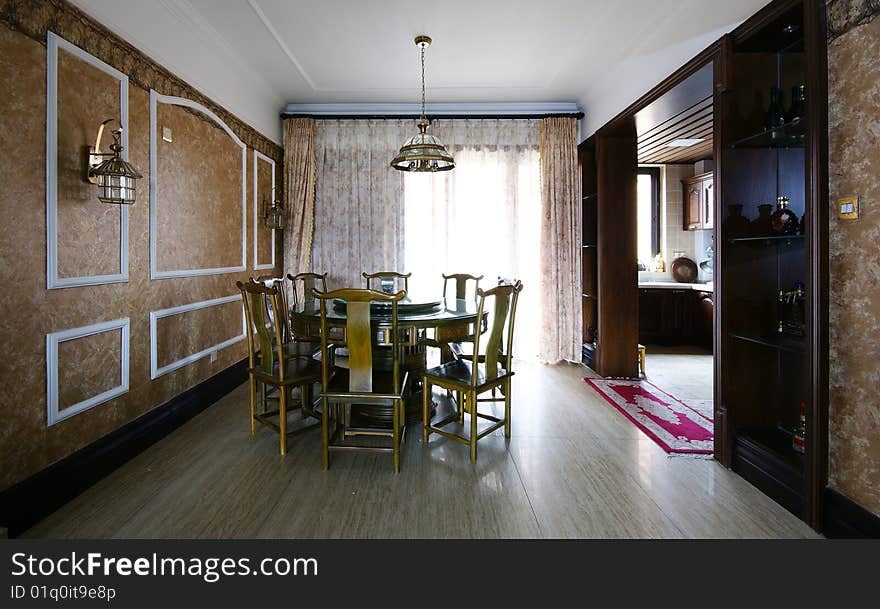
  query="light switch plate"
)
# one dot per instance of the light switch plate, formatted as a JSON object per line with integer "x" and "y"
{"x": 166, "y": 134}
{"x": 848, "y": 208}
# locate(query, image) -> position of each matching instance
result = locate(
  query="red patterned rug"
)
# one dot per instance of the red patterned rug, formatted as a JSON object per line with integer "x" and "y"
{"x": 673, "y": 425}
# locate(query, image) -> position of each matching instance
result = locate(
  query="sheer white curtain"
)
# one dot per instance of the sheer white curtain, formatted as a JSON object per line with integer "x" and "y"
{"x": 483, "y": 217}
{"x": 359, "y": 210}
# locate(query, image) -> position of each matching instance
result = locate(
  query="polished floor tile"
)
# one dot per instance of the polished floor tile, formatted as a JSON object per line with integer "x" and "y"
{"x": 574, "y": 467}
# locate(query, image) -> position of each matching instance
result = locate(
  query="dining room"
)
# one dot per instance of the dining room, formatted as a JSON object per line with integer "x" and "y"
{"x": 277, "y": 273}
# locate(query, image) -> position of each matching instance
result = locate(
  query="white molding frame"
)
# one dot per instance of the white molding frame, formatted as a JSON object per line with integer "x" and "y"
{"x": 53, "y": 281}
{"x": 155, "y": 316}
{"x": 257, "y": 157}
{"x": 155, "y": 273}
{"x": 53, "y": 414}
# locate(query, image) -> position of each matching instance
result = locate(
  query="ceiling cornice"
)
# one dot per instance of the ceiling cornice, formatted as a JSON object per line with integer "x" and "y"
{"x": 434, "y": 109}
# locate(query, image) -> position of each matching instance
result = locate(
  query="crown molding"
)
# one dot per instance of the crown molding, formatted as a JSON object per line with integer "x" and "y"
{"x": 433, "y": 109}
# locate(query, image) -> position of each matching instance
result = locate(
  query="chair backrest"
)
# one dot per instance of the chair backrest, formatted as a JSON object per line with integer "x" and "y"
{"x": 260, "y": 331}
{"x": 304, "y": 286}
{"x": 502, "y": 299}
{"x": 461, "y": 281}
{"x": 360, "y": 336}
{"x": 390, "y": 278}
{"x": 284, "y": 310}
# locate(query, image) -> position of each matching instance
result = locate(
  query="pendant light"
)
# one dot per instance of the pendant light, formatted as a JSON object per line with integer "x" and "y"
{"x": 423, "y": 151}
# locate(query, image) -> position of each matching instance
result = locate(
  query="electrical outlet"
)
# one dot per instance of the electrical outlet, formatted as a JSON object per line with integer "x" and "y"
{"x": 166, "y": 134}
{"x": 213, "y": 356}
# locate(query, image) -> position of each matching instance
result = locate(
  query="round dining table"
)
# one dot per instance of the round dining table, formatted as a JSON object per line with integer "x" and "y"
{"x": 422, "y": 322}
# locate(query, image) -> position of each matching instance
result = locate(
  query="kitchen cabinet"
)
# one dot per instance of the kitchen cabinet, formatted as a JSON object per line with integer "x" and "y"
{"x": 699, "y": 201}
{"x": 675, "y": 317}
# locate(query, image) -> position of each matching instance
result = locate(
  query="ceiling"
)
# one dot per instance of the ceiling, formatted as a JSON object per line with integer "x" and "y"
{"x": 255, "y": 56}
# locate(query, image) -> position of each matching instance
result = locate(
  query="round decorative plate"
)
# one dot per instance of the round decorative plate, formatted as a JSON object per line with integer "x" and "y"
{"x": 684, "y": 270}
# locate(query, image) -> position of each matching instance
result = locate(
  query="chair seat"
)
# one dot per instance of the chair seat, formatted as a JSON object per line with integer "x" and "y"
{"x": 383, "y": 386}
{"x": 459, "y": 373}
{"x": 297, "y": 370}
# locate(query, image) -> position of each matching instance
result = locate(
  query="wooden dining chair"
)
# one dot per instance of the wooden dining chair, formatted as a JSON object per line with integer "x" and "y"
{"x": 265, "y": 341}
{"x": 460, "y": 280}
{"x": 384, "y": 277}
{"x": 303, "y": 287}
{"x": 473, "y": 377}
{"x": 361, "y": 385}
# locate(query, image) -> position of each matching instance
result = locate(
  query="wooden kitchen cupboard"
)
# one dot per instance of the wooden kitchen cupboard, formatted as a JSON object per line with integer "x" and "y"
{"x": 699, "y": 202}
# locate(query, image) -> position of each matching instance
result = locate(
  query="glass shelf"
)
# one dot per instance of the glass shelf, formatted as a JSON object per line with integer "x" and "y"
{"x": 772, "y": 138}
{"x": 768, "y": 240}
{"x": 789, "y": 344}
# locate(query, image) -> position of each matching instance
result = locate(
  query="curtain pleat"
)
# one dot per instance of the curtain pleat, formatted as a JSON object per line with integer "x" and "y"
{"x": 299, "y": 166}
{"x": 561, "y": 315}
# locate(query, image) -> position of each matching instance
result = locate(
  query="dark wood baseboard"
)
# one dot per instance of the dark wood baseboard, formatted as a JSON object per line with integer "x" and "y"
{"x": 29, "y": 501}
{"x": 845, "y": 519}
{"x": 770, "y": 474}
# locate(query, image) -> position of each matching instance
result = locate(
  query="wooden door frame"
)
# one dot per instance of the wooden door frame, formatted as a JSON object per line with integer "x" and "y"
{"x": 720, "y": 53}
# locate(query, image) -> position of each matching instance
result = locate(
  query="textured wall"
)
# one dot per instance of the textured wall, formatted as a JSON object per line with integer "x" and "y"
{"x": 89, "y": 238}
{"x": 854, "y": 157}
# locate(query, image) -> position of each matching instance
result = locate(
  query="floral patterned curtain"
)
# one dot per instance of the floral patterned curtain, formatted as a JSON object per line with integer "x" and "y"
{"x": 561, "y": 317}
{"x": 299, "y": 178}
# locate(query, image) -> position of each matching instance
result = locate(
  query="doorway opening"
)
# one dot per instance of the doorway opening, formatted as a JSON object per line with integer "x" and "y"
{"x": 675, "y": 236}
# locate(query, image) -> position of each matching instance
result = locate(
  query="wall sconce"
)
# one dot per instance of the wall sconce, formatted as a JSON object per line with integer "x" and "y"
{"x": 114, "y": 176}
{"x": 274, "y": 216}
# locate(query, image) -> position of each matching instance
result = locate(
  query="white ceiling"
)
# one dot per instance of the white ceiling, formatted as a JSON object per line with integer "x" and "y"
{"x": 255, "y": 56}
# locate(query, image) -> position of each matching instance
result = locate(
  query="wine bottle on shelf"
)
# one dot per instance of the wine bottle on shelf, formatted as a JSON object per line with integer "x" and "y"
{"x": 798, "y": 102}
{"x": 774, "y": 118}
{"x": 796, "y": 111}
{"x": 799, "y": 439}
{"x": 783, "y": 221}
{"x": 780, "y": 312}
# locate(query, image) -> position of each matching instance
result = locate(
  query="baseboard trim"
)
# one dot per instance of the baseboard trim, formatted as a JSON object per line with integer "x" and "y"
{"x": 843, "y": 518}
{"x": 29, "y": 501}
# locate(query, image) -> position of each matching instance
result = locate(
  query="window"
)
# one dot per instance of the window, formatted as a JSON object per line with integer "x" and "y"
{"x": 648, "y": 213}
{"x": 483, "y": 218}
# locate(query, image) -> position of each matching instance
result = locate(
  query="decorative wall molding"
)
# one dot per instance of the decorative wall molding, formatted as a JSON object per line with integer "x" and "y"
{"x": 844, "y": 15}
{"x": 54, "y": 415}
{"x": 53, "y": 281}
{"x": 258, "y": 156}
{"x": 155, "y": 273}
{"x": 155, "y": 370}
{"x": 35, "y": 19}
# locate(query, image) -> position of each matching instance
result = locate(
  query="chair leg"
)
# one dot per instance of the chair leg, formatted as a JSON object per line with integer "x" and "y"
{"x": 325, "y": 434}
{"x": 252, "y": 391}
{"x": 395, "y": 449}
{"x": 472, "y": 400}
{"x": 506, "y": 390}
{"x": 282, "y": 418}
{"x": 426, "y": 410}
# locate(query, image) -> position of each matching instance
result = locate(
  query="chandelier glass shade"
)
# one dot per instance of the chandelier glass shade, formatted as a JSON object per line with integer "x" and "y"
{"x": 423, "y": 151}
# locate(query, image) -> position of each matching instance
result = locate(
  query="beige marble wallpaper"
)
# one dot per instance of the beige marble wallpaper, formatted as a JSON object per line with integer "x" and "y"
{"x": 264, "y": 198}
{"x": 86, "y": 97}
{"x": 88, "y": 366}
{"x": 198, "y": 192}
{"x": 179, "y": 336}
{"x": 29, "y": 311}
{"x": 854, "y": 266}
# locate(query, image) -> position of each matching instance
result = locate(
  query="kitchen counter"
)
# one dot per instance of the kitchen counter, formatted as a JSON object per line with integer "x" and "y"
{"x": 675, "y": 285}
